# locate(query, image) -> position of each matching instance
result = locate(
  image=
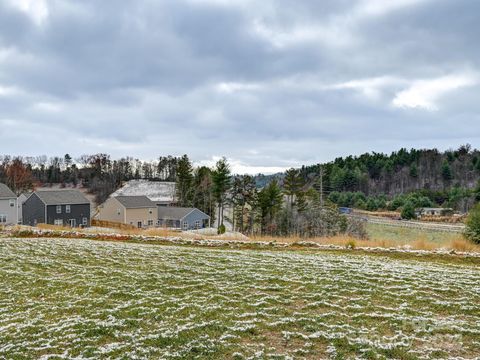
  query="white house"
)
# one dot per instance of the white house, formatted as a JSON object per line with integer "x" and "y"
{"x": 8, "y": 206}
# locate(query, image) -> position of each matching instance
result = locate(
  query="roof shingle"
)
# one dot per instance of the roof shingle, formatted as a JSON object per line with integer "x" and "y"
{"x": 175, "y": 213}
{"x": 136, "y": 202}
{"x": 5, "y": 192}
{"x": 62, "y": 197}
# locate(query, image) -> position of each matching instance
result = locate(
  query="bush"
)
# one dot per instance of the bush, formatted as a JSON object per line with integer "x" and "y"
{"x": 472, "y": 231}
{"x": 408, "y": 211}
{"x": 221, "y": 229}
{"x": 350, "y": 244}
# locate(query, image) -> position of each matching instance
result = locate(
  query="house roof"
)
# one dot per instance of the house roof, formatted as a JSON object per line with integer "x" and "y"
{"x": 135, "y": 202}
{"x": 5, "y": 192}
{"x": 176, "y": 213}
{"x": 62, "y": 197}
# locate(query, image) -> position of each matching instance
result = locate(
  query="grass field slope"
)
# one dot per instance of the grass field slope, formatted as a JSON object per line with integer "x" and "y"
{"x": 64, "y": 298}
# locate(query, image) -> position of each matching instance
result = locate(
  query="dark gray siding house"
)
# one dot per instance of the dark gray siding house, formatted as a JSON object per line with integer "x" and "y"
{"x": 57, "y": 207}
{"x": 182, "y": 218}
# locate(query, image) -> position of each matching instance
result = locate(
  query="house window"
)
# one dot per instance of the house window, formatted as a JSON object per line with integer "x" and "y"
{"x": 59, "y": 209}
{"x": 12, "y": 202}
{"x": 185, "y": 225}
{"x": 3, "y": 219}
{"x": 85, "y": 221}
{"x": 150, "y": 211}
{"x": 58, "y": 222}
{"x": 150, "y": 222}
{"x": 118, "y": 212}
{"x": 67, "y": 209}
{"x": 197, "y": 224}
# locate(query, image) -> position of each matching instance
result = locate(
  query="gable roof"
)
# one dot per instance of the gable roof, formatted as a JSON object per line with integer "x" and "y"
{"x": 136, "y": 202}
{"x": 62, "y": 197}
{"x": 176, "y": 213}
{"x": 5, "y": 192}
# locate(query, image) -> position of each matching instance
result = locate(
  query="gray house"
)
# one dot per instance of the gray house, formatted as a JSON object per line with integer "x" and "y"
{"x": 56, "y": 207}
{"x": 182, "y": 218}
{"x": 8, "y": 206}
{"x": 20, "y": 200}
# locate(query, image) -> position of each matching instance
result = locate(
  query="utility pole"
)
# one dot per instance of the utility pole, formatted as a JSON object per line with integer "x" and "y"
{"x": 321, "y": 186}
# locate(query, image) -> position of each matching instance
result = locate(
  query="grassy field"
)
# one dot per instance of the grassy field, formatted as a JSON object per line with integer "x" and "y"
{"x": 404, "y": 235}
{"x": 64, "y": 298}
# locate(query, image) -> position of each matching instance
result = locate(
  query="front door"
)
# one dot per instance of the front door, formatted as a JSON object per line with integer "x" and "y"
{"x": 73, "y": 222}
{"x": 139, "y": 224}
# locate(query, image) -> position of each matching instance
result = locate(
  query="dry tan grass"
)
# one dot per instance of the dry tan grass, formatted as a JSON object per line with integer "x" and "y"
{"x": 459, "y": 243}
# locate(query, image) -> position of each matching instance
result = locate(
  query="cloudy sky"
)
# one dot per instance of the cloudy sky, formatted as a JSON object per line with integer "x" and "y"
{"x": 270, "y": 84}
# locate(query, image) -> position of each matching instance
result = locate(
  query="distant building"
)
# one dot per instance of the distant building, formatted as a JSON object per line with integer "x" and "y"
{"x": 345, "y": 210}
{"x": 138, "y": 211}
{"x": 182, "y": 218}
{"x": 8, "y": 206}
{"x": 56, "y": 207}
{"x": 434, "y": 212}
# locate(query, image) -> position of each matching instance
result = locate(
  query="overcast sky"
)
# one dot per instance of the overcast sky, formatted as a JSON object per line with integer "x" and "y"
{"x": 270, "y": 84}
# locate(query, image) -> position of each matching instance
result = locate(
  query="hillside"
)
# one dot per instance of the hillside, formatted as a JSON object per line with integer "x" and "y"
{"x": 400, "y": 172}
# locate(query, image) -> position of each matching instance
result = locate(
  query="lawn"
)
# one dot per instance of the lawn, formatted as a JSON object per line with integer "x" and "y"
{"x": 404, "y": 235}
{"x": 64, "y": 298}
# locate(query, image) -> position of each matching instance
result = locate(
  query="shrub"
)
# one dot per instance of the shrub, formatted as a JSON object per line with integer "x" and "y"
{"x": 472, "y": 231}
{"x": 408, "y": 211}
{"x": 221, "y": 229}
{"x": 350, "y": 244}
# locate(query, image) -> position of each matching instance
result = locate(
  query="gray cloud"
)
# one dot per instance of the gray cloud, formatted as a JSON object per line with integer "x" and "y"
{"x": 271, "y": 84}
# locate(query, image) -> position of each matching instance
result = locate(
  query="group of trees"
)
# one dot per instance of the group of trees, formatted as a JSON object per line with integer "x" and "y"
{"x": 98, "y": 172}
{"x": 400, "y": 172}
{"x": 457, "y": 198}
{"x": 277, "y": 209}
{"x": 203, "y": 188}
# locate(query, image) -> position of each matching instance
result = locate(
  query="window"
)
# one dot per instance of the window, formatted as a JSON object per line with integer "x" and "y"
{"x": 67, "y": 209}
{"x": 185, "y": 225}
{"x": 150, "y": 211}
{"x": 85, "y": 221}
{"x": 118, "y": 212}
{"x": 58, "y": 222}
{"x": 59, "y": 209}
{"x": 3, "y": 219}
{"x": 197, "y": 224}
{"x": 12, "y": 202}
{"x": 150, "y": 222}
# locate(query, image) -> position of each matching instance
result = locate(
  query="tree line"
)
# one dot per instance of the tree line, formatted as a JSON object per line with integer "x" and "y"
{"x": 277, "y": 209}
{"x": 100, "y": 174}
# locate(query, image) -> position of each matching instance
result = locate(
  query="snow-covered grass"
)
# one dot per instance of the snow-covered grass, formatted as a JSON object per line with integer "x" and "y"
{"x": 154, "y": 190}
{"x": 69, "y": 298}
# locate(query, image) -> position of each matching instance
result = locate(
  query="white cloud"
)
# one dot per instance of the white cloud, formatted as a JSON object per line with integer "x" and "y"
{"x": 383, "y": 7}
{"x": 8, "y": 90}
{"x": 424, "y": 94}
{"x": 370, "y": 87}
{"x": 232, "y": 87}
{"x": 37, "y": 10}
{"x": 330, "y": 35}
{"x": 240, "y": 168}
{"x": 49, "y": 107}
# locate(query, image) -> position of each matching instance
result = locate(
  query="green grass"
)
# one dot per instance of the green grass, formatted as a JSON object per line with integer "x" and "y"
{"x": 67, "y": 298}
{"x": 403, "y": 235}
